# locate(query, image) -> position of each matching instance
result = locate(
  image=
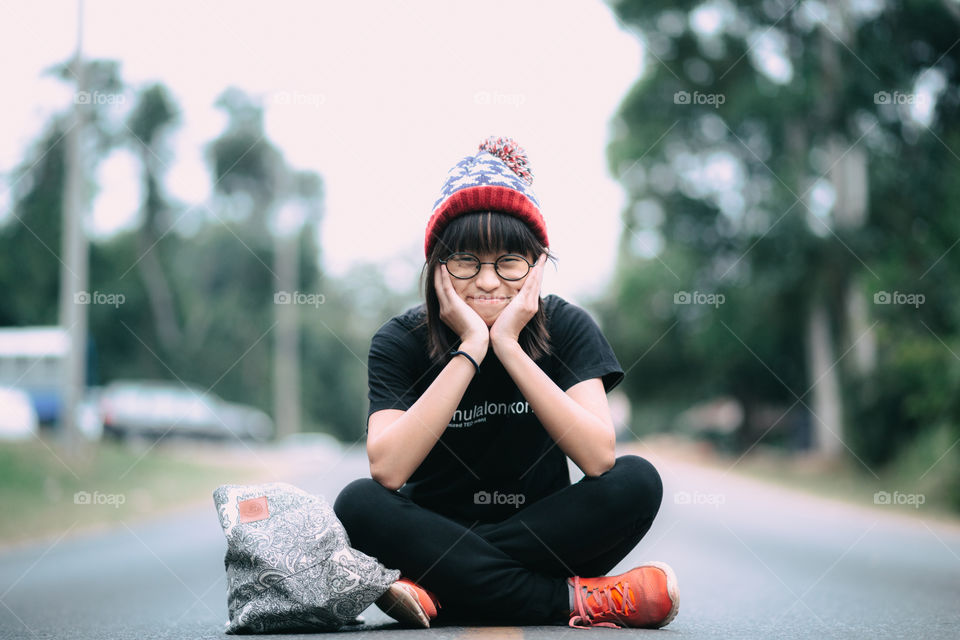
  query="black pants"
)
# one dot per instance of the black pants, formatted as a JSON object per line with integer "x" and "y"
{"x": 513, "y": 571}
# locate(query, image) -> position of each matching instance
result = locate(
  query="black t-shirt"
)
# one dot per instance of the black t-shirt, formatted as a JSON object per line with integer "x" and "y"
{"x": 495, "y": 456}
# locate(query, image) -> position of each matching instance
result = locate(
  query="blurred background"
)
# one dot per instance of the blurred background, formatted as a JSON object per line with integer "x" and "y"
{"x": 207, "y": 210}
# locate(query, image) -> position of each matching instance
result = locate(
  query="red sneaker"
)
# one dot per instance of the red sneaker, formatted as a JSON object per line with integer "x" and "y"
{"x": 645, "y": 596}
{"x": 407, "y": 602}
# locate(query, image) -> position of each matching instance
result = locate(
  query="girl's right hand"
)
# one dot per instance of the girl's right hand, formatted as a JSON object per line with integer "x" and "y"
{"x": 457, "y": 314}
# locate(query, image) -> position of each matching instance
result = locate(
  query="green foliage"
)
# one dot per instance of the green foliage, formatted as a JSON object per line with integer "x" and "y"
{"x": 913, "y": 392}
{"x": 760, "y": 243}
{"x": 154, "y": 112}
{"x": 198, "y": 299}
{"x": 30, "y": 240}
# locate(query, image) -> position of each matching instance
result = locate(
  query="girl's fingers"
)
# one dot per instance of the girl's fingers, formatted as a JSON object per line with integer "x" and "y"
{"x": 536, "y": 277}
{"x": 440, "y": 282}
{"x": 445, "y": 284}
{"x": 440, "y": 285}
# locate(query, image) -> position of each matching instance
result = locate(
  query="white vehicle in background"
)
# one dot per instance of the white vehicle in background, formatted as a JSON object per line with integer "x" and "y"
{"x": 155, "y": 409}
{"x": 246, "y": 422}
{"x": 18, "y": 418}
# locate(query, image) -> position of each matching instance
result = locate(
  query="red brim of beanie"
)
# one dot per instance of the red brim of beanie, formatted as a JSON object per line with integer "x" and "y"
{"x": 485, "y": 198}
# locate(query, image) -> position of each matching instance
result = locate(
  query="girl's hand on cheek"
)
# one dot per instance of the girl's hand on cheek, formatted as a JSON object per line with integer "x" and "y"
{"x": 456, "y": 313}
{"x": 521, "y": 309}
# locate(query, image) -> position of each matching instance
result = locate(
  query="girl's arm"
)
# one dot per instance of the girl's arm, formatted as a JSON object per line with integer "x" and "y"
{"x": 398, "y": 441}
{"x": 579, "y": 420}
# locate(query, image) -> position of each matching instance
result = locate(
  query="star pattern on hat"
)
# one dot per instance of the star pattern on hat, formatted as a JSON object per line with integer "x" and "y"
{"x": 483, "y": 169}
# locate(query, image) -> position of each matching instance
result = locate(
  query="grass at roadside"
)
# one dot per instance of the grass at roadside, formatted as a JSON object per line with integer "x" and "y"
{"x": 44, "y": 490}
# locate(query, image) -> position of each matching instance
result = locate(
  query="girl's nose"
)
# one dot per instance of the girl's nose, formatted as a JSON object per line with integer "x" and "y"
{"x": 488, "y": 279}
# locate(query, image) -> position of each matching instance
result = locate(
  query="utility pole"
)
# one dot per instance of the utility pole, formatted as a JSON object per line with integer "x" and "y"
{"x": 288, "y": 225}
{"x": 74, "y": 296}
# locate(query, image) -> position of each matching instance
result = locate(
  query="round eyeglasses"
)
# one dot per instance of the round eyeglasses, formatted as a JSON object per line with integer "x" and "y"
{"x": 464, "y": 266}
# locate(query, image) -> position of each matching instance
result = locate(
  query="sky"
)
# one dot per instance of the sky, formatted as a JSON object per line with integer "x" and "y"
{"x": 380, "y": 98}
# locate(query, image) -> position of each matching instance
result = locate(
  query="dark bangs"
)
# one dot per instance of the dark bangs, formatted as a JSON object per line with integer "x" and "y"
{"x": 487, "y": 232}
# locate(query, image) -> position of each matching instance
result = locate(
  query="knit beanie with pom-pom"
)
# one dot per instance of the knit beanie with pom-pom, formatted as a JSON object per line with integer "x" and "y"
{"x": 497, "y": 178}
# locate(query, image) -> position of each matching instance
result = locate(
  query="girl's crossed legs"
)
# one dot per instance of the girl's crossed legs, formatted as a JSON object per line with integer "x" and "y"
{"x": 513, "y": 571}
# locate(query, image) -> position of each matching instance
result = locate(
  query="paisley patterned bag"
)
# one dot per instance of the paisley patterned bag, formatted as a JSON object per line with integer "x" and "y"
{"x": 289, "y": 563}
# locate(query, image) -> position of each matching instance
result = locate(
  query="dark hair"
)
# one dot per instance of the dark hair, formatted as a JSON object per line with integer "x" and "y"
{"x": 481, "y": 232}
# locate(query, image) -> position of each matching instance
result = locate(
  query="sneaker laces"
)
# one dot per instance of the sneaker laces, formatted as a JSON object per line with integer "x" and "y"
{"x": 604, "y": 596}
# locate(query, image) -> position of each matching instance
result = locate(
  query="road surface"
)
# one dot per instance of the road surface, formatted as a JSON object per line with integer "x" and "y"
{"x": 753, "y": 561}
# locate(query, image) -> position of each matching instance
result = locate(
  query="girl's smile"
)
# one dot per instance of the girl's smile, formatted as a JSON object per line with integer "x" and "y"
{"x": 487, "y": 300}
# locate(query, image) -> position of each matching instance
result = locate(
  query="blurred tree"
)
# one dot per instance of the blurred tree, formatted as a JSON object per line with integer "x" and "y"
{"x": 30, "y": 239}
{"x": 248, "y": 169}
{"x": 336, "y": 340}
{"x": 151, "y": 118}
{"x": 202, "y": 308}
{"x": 30, "y": 236}
{"x": 764, "y": 150}
{"x": 300, "y": 211}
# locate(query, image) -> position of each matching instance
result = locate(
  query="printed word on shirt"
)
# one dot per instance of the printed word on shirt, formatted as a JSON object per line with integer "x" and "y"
{"x": 479, "y": 412}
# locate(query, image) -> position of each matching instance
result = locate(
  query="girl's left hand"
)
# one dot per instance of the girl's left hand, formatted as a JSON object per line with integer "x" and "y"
{"x": 521, "y": 308}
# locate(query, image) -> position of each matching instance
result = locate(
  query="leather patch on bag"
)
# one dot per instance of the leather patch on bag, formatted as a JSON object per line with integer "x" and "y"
{"x": 253, "y": 509}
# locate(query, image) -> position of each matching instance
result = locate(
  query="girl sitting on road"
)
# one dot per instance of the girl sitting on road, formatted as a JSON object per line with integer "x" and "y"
{"x": 477, "y": 398}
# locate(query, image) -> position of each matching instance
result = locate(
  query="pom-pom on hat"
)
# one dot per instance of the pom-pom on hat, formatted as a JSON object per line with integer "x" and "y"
{"x": 497, "y": 178}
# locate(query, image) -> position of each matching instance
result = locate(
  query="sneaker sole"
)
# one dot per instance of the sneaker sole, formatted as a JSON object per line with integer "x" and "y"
{"x": 403, "y": 606}
{"x": 672, "y": 591}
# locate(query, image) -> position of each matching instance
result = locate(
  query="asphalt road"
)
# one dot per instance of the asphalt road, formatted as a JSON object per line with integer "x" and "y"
{"x": 753, "y": 561}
